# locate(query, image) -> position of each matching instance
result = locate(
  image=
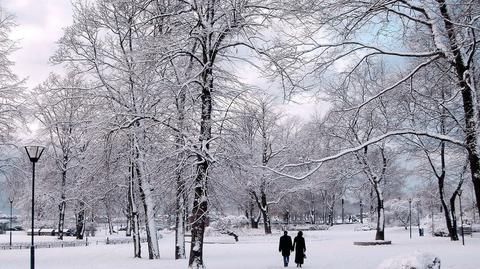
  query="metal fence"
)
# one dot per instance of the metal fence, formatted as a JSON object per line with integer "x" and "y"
{"x": 61, "y": 244}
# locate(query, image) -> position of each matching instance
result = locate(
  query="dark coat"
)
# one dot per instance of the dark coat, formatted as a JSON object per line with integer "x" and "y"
{"x": 285, "y": 245}
{"x": 300, "y": 248}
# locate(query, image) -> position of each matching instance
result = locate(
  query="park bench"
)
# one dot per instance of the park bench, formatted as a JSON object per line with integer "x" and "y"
{"x": 467, "y": 230}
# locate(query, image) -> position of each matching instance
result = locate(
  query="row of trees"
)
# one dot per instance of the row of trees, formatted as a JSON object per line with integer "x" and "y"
{"x": 152, "y": 117}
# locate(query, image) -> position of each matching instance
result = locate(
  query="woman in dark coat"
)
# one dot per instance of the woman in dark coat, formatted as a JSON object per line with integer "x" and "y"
{"x": 300, "y": 248}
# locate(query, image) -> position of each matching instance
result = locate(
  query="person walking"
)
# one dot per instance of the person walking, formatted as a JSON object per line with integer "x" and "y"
{"x": 285, "y": 247}
{"x": 300, "y": 248}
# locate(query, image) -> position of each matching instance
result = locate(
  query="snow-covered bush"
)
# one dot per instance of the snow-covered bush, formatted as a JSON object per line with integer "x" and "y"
{"x": 475, "y": 228}
{"x": 319, "y": 227}
{"x": 416, "y": 260}
{"x": 439, "y": 225}
{"x": 398, "y": 212}
{"x": 211, "y": 232}
{"x": 364, "y": 227}
{"x": 230, "y": 222}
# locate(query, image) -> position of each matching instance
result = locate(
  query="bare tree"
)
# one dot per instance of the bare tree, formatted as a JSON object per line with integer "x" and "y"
{"x": 433, "y": 32}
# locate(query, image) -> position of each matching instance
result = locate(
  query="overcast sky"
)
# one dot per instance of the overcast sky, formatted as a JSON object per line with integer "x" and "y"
{"x": 40, "y": 24}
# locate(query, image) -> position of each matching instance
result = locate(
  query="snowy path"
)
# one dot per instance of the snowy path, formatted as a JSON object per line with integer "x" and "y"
{"x": 325, "y": 249}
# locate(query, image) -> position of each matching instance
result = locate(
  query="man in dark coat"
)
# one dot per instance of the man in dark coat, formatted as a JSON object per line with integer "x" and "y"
{"x": 300, "y": 248}
{"x": 285, "y": 247}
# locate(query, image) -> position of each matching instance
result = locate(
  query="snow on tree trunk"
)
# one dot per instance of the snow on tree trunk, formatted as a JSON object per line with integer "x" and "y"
{"x": 266, "y": 216}
{"x": 80, "y": 225}
{"x": 453, "y": 233}
{"x": 149, "y": 211}
{"x": 61, "y": 218}
{"x": 128, "y": 228}
{"x": 181, "y": 191}
{"x": 180, "y": 219}
{"x": 146, "y": 195}
{"x": 200, "y": 201}
{"x": 199, "y": 212}
{"x": 63, "y": 204}
{"x": 312, "y": 208}
{"x": 133, "y": 211}
{"x": 263, "y": 206}
{"x": 380, "y": 234}
{"x": 267, "y": 222}
{"x": 109, "y": 218}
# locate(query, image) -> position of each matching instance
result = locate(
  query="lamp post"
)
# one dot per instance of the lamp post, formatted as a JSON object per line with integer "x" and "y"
{"x": 10, "y": 199}
{"x": 410, "y": 215}
{"x": 461, "y": 215}
{"x": 361, "y": 212}
{"x": 34, "y": 153}
{"x": 343, "y": 211}
{"x": 433, "y": 219}
{"x": 418, "y": 219}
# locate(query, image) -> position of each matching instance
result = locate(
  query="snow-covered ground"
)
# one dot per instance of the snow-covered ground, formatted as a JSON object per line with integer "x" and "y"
{"x": 332, "y": 249}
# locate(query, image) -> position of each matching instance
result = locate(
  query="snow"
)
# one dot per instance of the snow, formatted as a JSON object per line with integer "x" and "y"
{"x": 416, "y": 260}
{"x": 331, "y": 249}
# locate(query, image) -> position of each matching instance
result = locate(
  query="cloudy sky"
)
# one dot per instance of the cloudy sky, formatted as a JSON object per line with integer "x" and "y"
{"x": 40, "y": 24}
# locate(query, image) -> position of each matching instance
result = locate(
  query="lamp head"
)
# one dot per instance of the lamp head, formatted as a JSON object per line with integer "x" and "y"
{"x": 34, "y": 152}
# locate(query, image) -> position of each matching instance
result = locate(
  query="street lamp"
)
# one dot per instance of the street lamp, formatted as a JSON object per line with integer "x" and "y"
{"x": 420, "y": 233}
{"x": 34, "y": 153}
{"x": 361, "y": 211}
{"x": 461, "y": 215}
{"x": 10, "y": 199}
{"x": 410, "y": 215}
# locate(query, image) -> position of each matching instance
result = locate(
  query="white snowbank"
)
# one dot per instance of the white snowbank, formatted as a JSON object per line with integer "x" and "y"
{"x": 416, "y": 260}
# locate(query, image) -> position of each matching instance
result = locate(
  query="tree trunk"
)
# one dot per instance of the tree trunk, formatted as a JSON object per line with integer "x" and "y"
{"x": 253, "y": 221}
{"x": 180, "y": 218}
{"x": 146, "y": 194}
{"x": 61, "y": 218}
{"x": 80, "y": 225}
{"x": 149, "y": 213}
{"x": 453, "y": 233}
{"x": 128, "y": 227}
{"x": 109, "y": 218}
{"x": 469, "y": 97}
{"x": 380, "y": 234}
{"x": 181, "y": 191}
{"x": 200, "y": 200}
{"x": 441, "y": 189}
{"x": 199, "y": 212}
{"x": 312, "y": 208}
{"x": 133, "y": 211}
{"x": 267, "y": 224}
{"x": 63, "y": 204}
{"x": 332, "y": 211}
